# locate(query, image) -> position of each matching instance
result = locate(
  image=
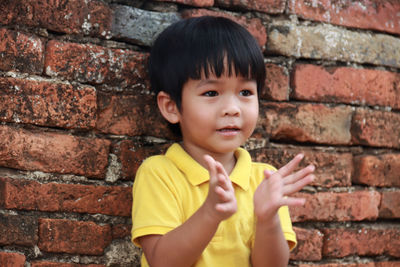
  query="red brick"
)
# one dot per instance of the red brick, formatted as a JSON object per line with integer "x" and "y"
{"x": 53, "y": 152}
{"x": 376, "y": 128}
{"x": 9, "y": 259}
{"x": 306, "y": 122}
{"x": 59, "y": 264}
{"x": 198, "y": 3}
{"x": 377, "y": 170}
{"x": 131, "y": 115}
{"x": 109, "y": 200}
{"x": 365, "y": 14}
{"x": 309, "y": 245}
{"x": 332, "y": 169}
{"x": 131, "y": 156}
{"x": 20, "y": 51}
{"x": 88, "y": 63}
{"x": 369, "y": 264}
{"x": 363, "y": 242}
{"x": 329, "y": 206}
{"x": 276, "y": 84}
{"x": 91, "y": 17}
{"x": 73, "y": 237}
{"x": 254, "y": 26}
{"x": 346, "y": 85}
{"x": 47, "y": 103}
{"x": 267, "y": 6}
{"x": 121, "y": 231}
{"x": 17, "y": 229}
{"x": 390, "y": 205}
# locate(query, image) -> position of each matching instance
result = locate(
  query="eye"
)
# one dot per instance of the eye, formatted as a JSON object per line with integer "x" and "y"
{"x": 210, "y": 93}
{"x": 246, "y": 92}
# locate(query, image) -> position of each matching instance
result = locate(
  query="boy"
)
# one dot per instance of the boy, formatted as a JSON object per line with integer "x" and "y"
{"x": 205, "y": 203}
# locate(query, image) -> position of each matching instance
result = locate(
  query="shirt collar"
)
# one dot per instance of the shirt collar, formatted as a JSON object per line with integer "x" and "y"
{"x": 197, "y": 174}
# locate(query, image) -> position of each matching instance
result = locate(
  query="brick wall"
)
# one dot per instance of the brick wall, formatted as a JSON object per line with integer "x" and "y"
{"x": 77, "y": 118}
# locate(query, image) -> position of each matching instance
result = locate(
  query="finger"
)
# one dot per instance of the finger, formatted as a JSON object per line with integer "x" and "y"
{"x": 227, "y": 183}
{"x": 223, "y": 195}
{"x": 211, "y": 167}
{"x": 297, "y": 186}
{"x": 291, "y": 166}
{"x": 293, "y": 178}
{"x": 293, "y": 201}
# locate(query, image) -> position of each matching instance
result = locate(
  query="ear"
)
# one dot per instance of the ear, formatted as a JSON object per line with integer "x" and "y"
{"x": 168, "y": 107}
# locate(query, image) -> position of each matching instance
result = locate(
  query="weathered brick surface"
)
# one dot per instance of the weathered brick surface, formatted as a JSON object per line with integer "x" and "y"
{"x": 140, "y": 26}
{"x": 91, "y": 17}
{"x": 332, "y": 43}
{"x": 390, "y": 205}
{"x": 95, "y": 64}
{"x": 254, "y": 26}
{"x": 309, "y": 245}
{"x": 47, "y": 103}
{"x": 365, "y": 14}
{"x": 362, "y": 241}
{"x": 73, "y": 237}
{"x": 20, "y": 51}
{"x": 199, "y": 3}
{"x": 332, "y": 169}
{"x": 276, "y": 84}
{"x": 376, "y": 128}
{"x": 329, "y": 206}
{"x": 9, "y": 259}
{"x": 368, "y": 264}
{"x": 267, "y": 6}
{"x": 131, "y": 115}
{"x": 53, "y": 152}
{"x": 346, "y": 85}
{"x": 59, "y": 264}
{"x": 17, "y": 229}
{"x": 377, "y": 170}
{"x": 302, "y": 122}
{"x": 131, "y": 156}
{"x": 110, "y": 200}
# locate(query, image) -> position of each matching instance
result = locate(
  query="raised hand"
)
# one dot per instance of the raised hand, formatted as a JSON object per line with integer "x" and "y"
{"x": 276, "y": 189}
{"x": 221, "y": 200}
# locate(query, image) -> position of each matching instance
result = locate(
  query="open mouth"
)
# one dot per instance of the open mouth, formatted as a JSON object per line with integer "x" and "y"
{"x": 228, "y": 129}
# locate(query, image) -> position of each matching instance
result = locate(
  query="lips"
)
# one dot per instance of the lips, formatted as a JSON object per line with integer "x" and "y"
{"x": 229, "y": 129}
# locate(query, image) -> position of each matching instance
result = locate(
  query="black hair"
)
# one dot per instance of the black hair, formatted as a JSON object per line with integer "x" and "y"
{"x": 195, "y": 46}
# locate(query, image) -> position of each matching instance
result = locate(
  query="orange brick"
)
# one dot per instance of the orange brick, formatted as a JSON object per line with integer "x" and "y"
{"x": 377, "y": 170}
{"x": 254, "y": 26}
{"x": 390, "y": 205}
{"x": 309, "y": 247}
{"x": 332, "y": 168}
{"x": 9, "y": 259}
{"x": 53, "y": 152}
{"x": 198, "y": 3}
{"x": 91, "y": 17}
{"x": 329, "y": 206}
{"x": 315, "y": 123}
{"x": 365, "y": 14}
{"x": 109, "y": 200}
{"x": 59, "y": 264}
{"x": 364, "y": 241}
{"x": 276, "y": 84}
{"x": 73, "y": 237}
{"x": 376, "y": 128}
{"x": 88, "y": 63}
{"x": 346, "y": 85}
{"x": 20, "y": 51}
{"x": 47, "y": 103}
{"x": 267, "y": 6}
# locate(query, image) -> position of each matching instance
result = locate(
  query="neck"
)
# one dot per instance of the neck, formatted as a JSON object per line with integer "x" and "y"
{"x": 227, "y": 160}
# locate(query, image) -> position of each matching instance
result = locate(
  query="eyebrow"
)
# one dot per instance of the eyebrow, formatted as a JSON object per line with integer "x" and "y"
{"x": 216, "y": 81}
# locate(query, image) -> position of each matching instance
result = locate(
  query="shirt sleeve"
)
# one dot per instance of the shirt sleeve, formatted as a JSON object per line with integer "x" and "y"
{"x": 155, "y": 209}
{"x": 287, "y": 228}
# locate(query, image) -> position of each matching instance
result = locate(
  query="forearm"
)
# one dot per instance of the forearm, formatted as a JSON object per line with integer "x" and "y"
{"x": 270, "y": 247}
{"x": 183, "y": 245}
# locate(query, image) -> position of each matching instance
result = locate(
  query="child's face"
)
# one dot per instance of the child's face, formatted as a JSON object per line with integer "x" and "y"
{"x": 217, "y": 115}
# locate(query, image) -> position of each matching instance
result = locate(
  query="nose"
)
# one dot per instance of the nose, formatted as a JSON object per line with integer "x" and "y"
{"x": 231, "y": 106}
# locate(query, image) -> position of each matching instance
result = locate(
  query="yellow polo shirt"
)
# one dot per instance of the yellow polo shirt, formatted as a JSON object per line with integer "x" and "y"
{"x": 169, "y": 188}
